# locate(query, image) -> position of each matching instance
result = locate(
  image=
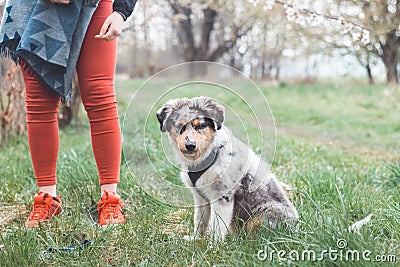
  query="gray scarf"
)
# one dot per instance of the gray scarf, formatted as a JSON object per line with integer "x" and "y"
{"x": 46, "y": 38}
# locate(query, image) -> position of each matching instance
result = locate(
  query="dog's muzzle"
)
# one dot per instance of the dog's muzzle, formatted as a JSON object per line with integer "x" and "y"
{"x": 190, "y": 147}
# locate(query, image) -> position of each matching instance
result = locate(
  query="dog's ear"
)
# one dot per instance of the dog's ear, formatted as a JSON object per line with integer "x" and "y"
{"x": 162, "y": 116}
{"x": 165, "y": 111}
{"x": 212, "y": 109}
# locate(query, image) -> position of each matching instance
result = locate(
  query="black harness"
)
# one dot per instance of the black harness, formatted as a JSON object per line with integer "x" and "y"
{"x": 194, "y": 175}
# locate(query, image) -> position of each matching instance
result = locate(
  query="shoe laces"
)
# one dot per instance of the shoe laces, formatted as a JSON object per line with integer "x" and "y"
{"x": 111, "y": 209}
{"x": 41, "y": 211}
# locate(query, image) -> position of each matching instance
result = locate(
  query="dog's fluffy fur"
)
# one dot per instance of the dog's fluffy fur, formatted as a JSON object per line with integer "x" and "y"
{"x": 226, "y": 178}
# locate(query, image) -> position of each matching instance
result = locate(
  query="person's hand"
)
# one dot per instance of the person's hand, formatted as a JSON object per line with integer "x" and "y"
{"x": 112, "y": 27}
{"x": 64, "y": 2}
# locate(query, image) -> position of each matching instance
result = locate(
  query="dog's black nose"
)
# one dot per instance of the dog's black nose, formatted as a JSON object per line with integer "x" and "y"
{"x": 190, "y": 146}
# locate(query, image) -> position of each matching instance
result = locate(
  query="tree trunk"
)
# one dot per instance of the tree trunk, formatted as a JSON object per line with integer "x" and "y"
{"x": 207, "y": 27}
{"x": 3, "y": 123}
{"x": 263, "y": 68}
{"x": 68, "y": 113}
{"x": 12, "y": 101}
{"x": 390, "y": 57}
{"x": 365, "y": 63}
{"x": 184, "y": 29}
{"x": 186, "y": 33}
{"x": 278, "y": 72}
{"x": 369, "y": 73}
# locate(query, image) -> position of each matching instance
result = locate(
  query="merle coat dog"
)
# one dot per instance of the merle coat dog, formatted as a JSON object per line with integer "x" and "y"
{"x": 229, "y": 182}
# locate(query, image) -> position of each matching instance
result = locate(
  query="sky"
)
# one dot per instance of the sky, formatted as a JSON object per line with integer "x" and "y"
{"x": 331, "y": 66}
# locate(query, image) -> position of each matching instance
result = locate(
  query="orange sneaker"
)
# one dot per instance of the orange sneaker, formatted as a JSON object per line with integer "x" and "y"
{"x": 110, "y": 209}
{"x": 44, "y": 207}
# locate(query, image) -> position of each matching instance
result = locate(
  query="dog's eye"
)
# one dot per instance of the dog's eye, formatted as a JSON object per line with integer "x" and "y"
{"x": 182, "y": 129}
{"x": 201, "y": 126}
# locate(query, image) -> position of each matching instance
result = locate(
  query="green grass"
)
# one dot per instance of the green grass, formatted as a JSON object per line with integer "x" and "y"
{"x": 337, "y": 147}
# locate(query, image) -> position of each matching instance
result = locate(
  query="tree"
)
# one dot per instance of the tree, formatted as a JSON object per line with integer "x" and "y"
{"x": 387, "y": 19}
{"x": 12, "y": 101}
{"x": 266, "y": 43}
{"x": 12, "y": 98}
{"x": 197, "y": 23}
{"x": 390, "y": 55}
{"x": 312, "y": 28}
{"x": 365, "y": 57}
{"x": 146, "y": 45}
{"x": 382, "y": 18}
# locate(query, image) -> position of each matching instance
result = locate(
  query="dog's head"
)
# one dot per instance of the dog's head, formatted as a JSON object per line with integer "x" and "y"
{"x": 191, "y": 124}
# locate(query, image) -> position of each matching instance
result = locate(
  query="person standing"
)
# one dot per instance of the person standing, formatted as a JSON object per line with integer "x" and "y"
{"x": 50, "y": 40}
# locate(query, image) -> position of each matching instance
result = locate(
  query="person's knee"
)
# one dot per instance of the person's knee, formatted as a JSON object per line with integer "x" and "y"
{"x": 101, "y": 108}
{"x": 42, "y": 110}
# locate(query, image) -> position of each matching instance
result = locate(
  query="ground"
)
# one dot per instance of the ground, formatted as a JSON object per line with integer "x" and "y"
{"x": 336, "y": 146}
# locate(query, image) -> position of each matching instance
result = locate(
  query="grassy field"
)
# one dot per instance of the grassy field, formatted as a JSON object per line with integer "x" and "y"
{"x": 337, "y": 146}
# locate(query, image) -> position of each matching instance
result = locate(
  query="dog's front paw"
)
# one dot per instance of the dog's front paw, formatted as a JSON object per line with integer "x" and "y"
{"x": 190, "y": 237}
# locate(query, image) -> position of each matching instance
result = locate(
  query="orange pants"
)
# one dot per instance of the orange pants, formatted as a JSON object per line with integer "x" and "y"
{"x": 95, "y": 69}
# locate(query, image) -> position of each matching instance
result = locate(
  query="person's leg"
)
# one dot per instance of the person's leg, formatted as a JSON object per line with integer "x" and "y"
{"x": 109, "y": 187}
{"x": 43, "y": 140}
{"x": 96, "y": 68}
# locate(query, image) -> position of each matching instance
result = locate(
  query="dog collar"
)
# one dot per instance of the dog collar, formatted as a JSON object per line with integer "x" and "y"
{"x": 195, "y": 175}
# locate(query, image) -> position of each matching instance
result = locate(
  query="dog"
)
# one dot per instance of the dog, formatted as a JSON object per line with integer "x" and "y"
{"x": 228, "y": 181}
